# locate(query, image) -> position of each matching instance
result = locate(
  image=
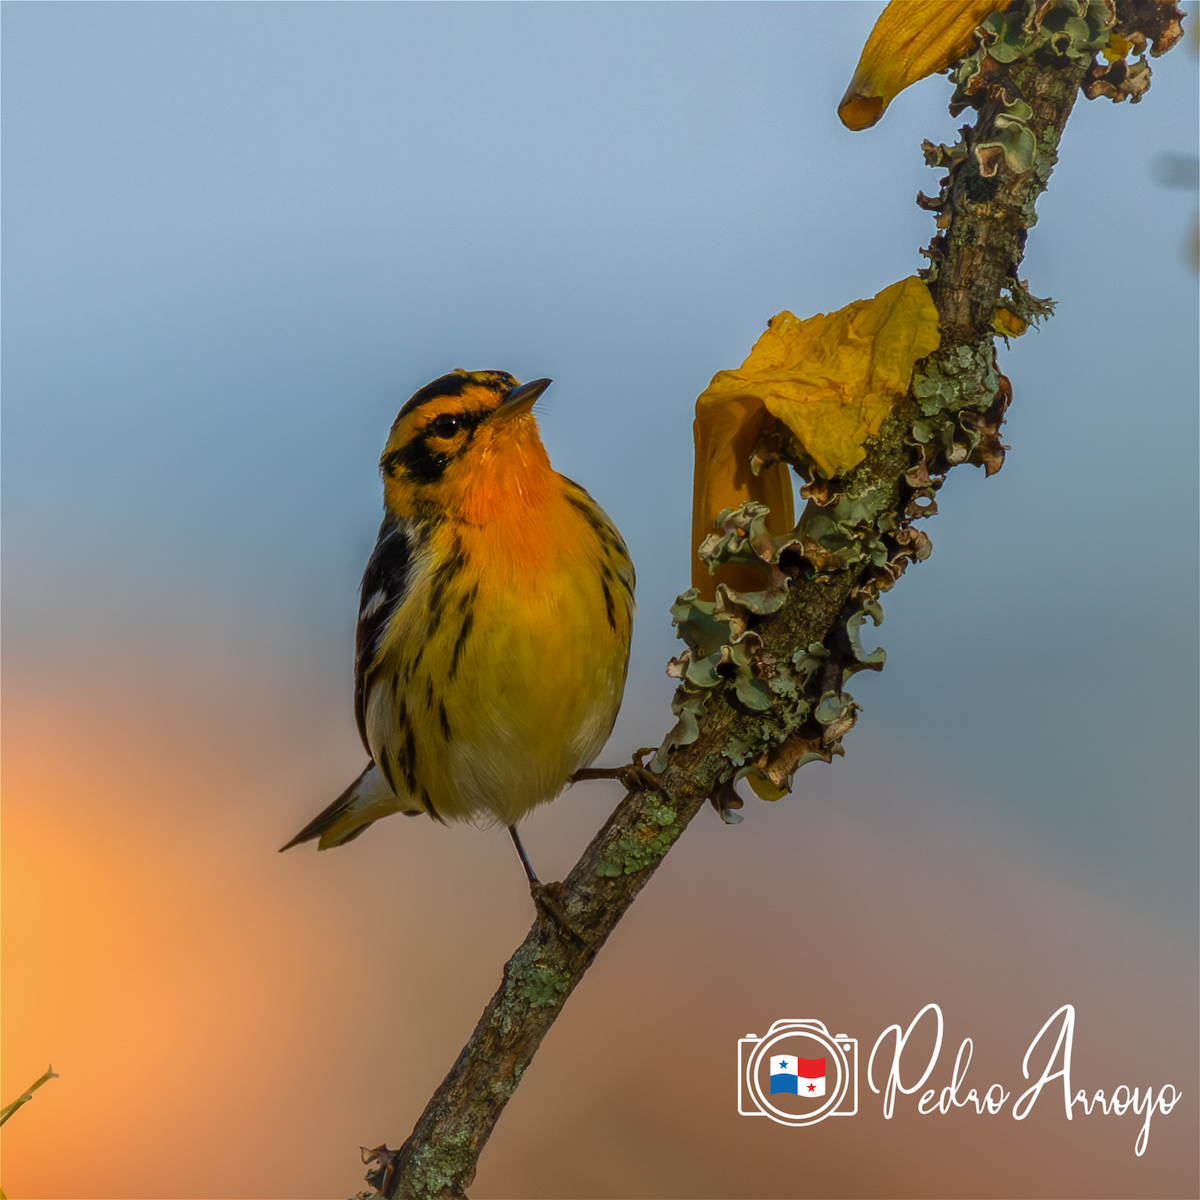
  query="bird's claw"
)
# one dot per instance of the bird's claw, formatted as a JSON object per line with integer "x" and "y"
{"x": 636, "y": 777}
{"x": 633, "y": 776}
{"x": 550, "y": 902}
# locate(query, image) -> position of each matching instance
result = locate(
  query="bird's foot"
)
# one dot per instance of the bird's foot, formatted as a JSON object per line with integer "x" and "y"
{"x": 633, "y": 776}
{"x": 550, "y": 901}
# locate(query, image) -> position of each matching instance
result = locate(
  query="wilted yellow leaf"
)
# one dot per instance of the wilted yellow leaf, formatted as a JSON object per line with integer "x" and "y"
{"x": 911, "y": 39}
{"x": 1008, "y": 324}
{"x": 726, "y": 430}
{"x": 763, "y": 788}
{"x": 831, "y": 379}
{"x": 1117, "y": 48}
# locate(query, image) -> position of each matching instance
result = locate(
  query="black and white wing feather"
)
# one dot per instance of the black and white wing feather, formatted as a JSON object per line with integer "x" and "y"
{"x": 384, "y": 583}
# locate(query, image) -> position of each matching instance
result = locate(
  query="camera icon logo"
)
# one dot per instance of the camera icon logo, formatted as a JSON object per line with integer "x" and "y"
{"x": 798, "y": 1074}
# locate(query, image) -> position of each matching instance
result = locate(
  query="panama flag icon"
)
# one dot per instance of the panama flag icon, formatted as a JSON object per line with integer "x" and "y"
{"x": 800, "y": 1076}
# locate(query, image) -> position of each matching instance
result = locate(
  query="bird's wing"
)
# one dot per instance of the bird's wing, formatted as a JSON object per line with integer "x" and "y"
{"x": 384, "y": 584}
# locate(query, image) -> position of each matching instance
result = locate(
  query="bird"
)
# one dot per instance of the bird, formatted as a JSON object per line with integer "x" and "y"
{"x": 494, "y": 622}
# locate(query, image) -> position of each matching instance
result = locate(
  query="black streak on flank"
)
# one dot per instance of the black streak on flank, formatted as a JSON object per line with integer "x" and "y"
{"x": 458, "y": 559}
{"x": 437, "y": 595}
{"x": 608, "y": 606}
{"x": 428, "y": 802}
{"x": 408, "y": 756}
{"x": 410, "y": 766}
{"x": 608, "y": 538}
{"x": 454, "y": 564}
{"x": 589, "y": 513}
{"x": 410, "y": 669}
{"x": 389, "y": 770}
{"x": 463, "y": 634}
{"x": 444, "y": 719}
{"x": 428, "y": 694}
{"x": 435, "y": 615}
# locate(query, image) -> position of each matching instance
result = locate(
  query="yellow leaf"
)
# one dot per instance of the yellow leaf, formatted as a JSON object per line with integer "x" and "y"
{"x": 1117, "y": 48}
{"x": 726, "y": 430}
{"x": 831, "y": 379}
{"x": 911, "y": 39}
{"x": 1007, "y": 323}
{"x": 763, "y": 788}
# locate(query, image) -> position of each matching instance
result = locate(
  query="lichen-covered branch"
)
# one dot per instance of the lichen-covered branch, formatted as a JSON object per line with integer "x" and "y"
{"x": 763, "y": 679}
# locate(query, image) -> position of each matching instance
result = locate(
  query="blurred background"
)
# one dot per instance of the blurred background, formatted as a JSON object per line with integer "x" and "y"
{"x": 236, "y": 238}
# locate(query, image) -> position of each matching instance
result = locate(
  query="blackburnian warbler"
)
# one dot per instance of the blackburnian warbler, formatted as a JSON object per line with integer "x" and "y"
{"x": 494, "y": 620}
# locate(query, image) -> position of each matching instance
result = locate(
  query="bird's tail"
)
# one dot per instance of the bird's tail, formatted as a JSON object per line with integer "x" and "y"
{"x": 366, "y": 800}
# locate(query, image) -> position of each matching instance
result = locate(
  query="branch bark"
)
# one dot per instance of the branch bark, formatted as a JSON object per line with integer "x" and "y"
{"x": 985, "y": 210}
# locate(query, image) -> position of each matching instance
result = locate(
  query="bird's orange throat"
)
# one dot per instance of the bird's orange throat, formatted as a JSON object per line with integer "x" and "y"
{"x": 502, "y": 496}
{"x": 506, "y": 480}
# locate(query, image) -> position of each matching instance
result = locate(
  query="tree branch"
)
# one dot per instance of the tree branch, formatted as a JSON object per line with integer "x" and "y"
{"x": 952, "y": 414}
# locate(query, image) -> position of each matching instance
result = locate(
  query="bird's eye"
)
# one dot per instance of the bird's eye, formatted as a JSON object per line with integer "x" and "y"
{"x": 444, "y": 426}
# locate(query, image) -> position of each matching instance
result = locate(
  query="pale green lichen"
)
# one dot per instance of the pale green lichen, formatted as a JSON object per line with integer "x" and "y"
{"x": 545, "y": 988}
{"x": 955, "y": 386}
{"x": 441, "y": 1166}
{"x": 865, "y": 659}
{"x": 537, "y": 982}
{"x": 1071, "y": 29}
{"x": 810, "y": 658}
{"x": 722, "y": 648}
{"x": 848, "y": 530}
{"x": 836, "y": 713}
{"x": 1064, "y": 28}
{"x": 645, "y": 844}
{"x": 781, "y": 680}
{"x": 744, "y": 541}
{"x": 739, "y": 749}
{"x": 961, "y": 377}
{"x": 709, "y": 661}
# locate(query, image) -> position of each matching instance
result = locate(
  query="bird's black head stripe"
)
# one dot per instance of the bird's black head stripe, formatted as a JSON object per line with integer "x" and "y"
{"x": 421, "y": 461}
{"x": 445, "y": 385}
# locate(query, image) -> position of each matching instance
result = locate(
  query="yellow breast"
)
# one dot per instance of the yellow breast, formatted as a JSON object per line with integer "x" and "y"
{"x": 502, "y": 672}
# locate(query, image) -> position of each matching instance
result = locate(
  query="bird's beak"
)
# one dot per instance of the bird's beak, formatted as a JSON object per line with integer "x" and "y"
{"x": 521, "y": 398}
